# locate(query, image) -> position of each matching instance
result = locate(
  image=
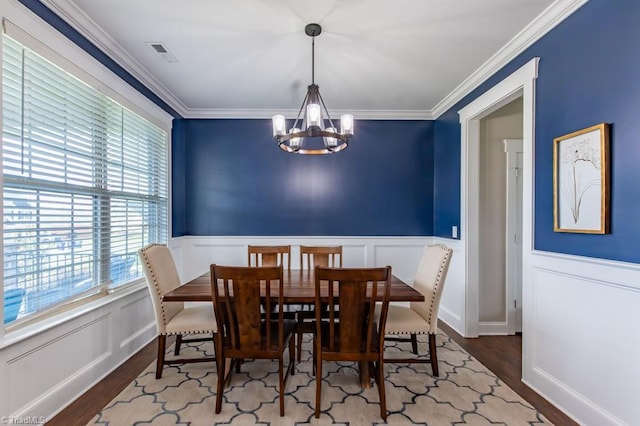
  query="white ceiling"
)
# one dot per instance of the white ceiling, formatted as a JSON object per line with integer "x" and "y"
{"x": 251, "y": 58}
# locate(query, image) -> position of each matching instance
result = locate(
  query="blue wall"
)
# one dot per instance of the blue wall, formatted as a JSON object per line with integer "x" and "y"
{"x": 589, "y": 73}
{"x": 230, "y": 178}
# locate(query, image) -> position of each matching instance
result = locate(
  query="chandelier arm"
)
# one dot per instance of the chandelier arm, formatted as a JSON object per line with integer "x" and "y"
{"x": 325, "y": 110}
{"x": 304, "y": 102}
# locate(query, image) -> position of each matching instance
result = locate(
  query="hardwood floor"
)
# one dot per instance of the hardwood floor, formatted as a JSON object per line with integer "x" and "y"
{"x": 82, "y": 410}
{"x": 500, "y": 354}
{"x": 503, "y": 356}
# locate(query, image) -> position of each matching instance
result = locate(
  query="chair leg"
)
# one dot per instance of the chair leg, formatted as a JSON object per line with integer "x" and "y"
{"x": 381, "y": 391}
{"x": 162, "y": 341}
{"x": 178, "y": 343}
{"x": 318, "y": 364}
{"x": 299, "y": 345}
{"x": 313, "y": 359}
{"x": 432, "y": 354}
{"x": 292, "y": 357}
{"x": 281, "y": 383}
{"x": 220, "y": 365}
{"x": 414, "y": 343}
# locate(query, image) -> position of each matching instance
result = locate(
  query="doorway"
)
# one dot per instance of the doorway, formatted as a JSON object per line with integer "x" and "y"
{"x": 520, "y": 84}
{"x": 498, "y": 234}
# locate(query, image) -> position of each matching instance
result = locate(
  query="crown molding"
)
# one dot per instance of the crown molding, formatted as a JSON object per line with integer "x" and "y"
{"x": 291, "y": 114}
{"x": 88, "y": 28}
{"x": 545, "y": 22}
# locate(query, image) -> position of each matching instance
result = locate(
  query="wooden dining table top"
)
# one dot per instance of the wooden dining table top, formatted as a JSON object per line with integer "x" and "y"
{"x": 299, "y": 287}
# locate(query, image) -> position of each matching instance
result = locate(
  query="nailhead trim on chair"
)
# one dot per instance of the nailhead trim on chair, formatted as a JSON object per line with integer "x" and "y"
{"x": 155, "y": 285}
{"x": 439, "y": 280}
{"x": 155, "y": 282}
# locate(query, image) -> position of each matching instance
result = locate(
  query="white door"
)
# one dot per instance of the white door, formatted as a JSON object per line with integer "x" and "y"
{"x": 513, "y": 150}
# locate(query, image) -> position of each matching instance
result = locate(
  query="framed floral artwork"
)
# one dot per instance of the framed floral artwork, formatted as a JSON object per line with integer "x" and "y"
{"x": 581, "y": 181}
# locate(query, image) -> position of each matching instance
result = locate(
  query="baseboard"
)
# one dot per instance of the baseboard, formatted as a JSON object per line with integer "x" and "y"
{"x": 570, "y": 401}
{"x": 492, "y": 328}
{"x": 451, "y": 319}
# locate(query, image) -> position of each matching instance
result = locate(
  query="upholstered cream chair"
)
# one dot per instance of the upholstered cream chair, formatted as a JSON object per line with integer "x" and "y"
{"x": 173, "y": 318}
{"x": 421, "y": 317}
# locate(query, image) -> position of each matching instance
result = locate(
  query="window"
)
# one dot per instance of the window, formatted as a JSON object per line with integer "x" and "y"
{"x": 84, "y": 186}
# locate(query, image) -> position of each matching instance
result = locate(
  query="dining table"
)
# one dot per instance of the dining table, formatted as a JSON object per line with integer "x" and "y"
{"x": 299, "y": 288}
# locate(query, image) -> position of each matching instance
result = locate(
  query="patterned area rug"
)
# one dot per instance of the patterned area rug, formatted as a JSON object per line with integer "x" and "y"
{"x": 465, "y": 393}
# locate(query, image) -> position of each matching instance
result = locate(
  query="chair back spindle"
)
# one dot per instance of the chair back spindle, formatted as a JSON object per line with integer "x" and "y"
{"x": 269, "y": 256}
{"x": 325, "y": 256}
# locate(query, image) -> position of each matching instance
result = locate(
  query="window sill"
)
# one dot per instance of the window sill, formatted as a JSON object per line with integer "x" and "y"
{"x": 58, "y": 317}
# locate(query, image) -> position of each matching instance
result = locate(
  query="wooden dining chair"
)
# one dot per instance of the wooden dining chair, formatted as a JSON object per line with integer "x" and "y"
{"x": 355, "y": 336}
{"x": 269, "y": 256}
{"x": 326, "y": 256}
{"x": 246, "y": 332}
{"x": 312, "y": 256}
{"x": 173, "y": 318}
{"x": 405, "y": 322}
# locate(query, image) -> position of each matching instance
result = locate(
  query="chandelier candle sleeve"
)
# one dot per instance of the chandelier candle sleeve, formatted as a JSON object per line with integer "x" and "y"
{"x": 331, "y": 141}
{"x": 279, "y": 125}
{"x": 313, "y": 131}
{"x": 346, "y": 124}
{"x": 314, "y": 116}
{"x": 294, "y": 142}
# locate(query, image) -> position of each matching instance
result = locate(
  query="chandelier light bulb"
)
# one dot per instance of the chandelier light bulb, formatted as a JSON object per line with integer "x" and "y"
{"x": 330, "y": 141}
{"x": 295, "y": 142}
{"x": 346, "y": 124}
{"x": 279, "y": 125}
{"x": 314, "y": 115}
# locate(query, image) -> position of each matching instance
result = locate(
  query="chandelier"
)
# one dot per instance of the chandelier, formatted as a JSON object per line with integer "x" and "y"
{"x": 313, "y": 131}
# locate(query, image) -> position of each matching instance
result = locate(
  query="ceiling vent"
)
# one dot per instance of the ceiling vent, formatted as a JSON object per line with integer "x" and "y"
{"x": 161, "y": 50}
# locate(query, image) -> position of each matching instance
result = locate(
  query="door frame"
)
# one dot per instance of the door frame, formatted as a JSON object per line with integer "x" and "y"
{"x": 521, "y": 83}
{"x": 511, "y": 149}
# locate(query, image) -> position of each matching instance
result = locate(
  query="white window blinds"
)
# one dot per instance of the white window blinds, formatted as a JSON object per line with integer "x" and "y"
{"x": 84, "y": 185}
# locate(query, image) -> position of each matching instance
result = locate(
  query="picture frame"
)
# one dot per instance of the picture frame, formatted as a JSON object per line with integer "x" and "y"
{"x": 581, "y": 181}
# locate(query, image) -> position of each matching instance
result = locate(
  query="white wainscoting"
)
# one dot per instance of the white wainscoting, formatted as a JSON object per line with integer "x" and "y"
{"x": 46, "y": 366}
{"x": 194, "y": 255}
{"x": 581, "y": 343}
{"x": 580, "y": 340}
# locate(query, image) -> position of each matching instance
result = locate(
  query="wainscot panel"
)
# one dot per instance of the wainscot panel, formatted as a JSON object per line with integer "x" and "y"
{"x": 580, "y": 329}
{"x": 47, "y": 365}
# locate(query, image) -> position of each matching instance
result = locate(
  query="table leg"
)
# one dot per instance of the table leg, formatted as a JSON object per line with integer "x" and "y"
{"x": 365, "y": 374}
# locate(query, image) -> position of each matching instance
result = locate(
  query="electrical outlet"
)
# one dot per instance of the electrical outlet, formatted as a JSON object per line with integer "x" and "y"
{"x": 454, "y": 232}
